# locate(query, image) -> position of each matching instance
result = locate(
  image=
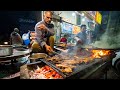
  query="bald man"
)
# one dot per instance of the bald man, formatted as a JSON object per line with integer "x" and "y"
{"x": 44, "y": 34}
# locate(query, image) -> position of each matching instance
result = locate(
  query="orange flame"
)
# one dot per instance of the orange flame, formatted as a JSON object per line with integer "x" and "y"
{"x": 99, "y": 53}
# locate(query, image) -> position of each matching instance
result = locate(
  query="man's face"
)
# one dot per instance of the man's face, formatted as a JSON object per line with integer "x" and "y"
{"x": 48, "y": 17}
{"x": 83, "y": 28}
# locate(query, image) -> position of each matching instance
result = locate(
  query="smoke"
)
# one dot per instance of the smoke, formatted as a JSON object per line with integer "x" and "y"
{"x": 75, "y": 52}
{"x": 69, "y": 54}
{"x": 110, "y": 39}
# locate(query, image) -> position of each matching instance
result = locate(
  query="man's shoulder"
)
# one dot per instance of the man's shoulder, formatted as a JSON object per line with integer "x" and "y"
{"x": 15, "y": 34}
{"x": 40, "y": 22}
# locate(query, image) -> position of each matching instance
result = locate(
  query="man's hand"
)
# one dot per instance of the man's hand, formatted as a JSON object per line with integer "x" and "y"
{"x": 79, "y": 42}
{"x": 48, "y": 48}
{"x": 42, "y": 27}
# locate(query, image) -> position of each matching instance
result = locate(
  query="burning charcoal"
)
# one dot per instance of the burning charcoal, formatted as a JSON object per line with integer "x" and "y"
{"x": 53, "y": 75}
{"x": 50, "y": 70}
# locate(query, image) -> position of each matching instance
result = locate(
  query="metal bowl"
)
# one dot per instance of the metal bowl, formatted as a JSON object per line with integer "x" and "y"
{"x": 6, "y": 50}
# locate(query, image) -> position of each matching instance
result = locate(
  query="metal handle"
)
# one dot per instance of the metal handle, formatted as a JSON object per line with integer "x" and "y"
{"x": 55, "y": 52}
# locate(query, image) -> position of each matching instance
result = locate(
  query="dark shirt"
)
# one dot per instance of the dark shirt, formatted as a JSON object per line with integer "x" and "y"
{"x": 82, "y": 36}
{"x": 16, "y": 38}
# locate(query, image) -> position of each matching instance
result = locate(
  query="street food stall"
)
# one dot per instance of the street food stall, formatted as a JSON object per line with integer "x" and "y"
{"x": 67, "y": 61}
{"x": 70, "y": 62}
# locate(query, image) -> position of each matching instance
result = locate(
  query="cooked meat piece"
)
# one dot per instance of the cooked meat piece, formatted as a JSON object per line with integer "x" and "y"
{"x": 54, "y": 58}
{"x": 71, "y": 62}
{"x": 87, "y": 59}
{"x": 67, "y": 70}
{"x": 63, "y": 65}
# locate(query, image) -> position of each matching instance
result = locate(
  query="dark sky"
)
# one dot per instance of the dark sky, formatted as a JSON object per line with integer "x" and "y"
{"x": 10, "y": 19}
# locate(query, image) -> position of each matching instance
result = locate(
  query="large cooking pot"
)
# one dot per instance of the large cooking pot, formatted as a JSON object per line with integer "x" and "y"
{"x": 6, "y": 50}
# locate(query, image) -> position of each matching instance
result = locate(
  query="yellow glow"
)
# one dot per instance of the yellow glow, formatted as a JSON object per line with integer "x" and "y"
{"x": 98, "y": 17}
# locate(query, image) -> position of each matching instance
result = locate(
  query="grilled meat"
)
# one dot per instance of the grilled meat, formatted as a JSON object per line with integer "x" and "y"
{"x": 70, "y": 62}
{"x": 67, "y": 70}
{"x": 65, "y": 67}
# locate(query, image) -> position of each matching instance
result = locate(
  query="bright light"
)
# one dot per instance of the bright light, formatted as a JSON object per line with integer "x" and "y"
{"x": 83, "y": 19}
{"x": 82, "y": 14}
{"x": 73, "y": 14}
{"x": 5, "y": 42}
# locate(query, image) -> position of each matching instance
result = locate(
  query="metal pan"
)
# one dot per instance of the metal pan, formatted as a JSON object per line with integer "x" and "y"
{"x": 6, "y": 50}
{"x": 34, "y": 57}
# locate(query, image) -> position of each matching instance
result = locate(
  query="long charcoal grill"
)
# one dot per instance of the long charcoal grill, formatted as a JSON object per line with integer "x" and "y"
{"x": 85, "y": 70}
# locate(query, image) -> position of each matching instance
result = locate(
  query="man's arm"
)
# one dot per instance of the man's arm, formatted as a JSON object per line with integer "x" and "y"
{"x": 78, "y": 39}
{"x": 41, "y": 41}
{"x": 38, "y": 35}
{"x": 51, "y": 31}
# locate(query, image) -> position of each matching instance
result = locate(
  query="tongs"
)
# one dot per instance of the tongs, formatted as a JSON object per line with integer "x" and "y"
{"x": 55, "y": 53}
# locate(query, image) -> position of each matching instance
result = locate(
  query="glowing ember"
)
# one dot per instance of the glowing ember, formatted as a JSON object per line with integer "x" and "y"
{"x": 44, "y": 72}
{"x": 99, "y": 53}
